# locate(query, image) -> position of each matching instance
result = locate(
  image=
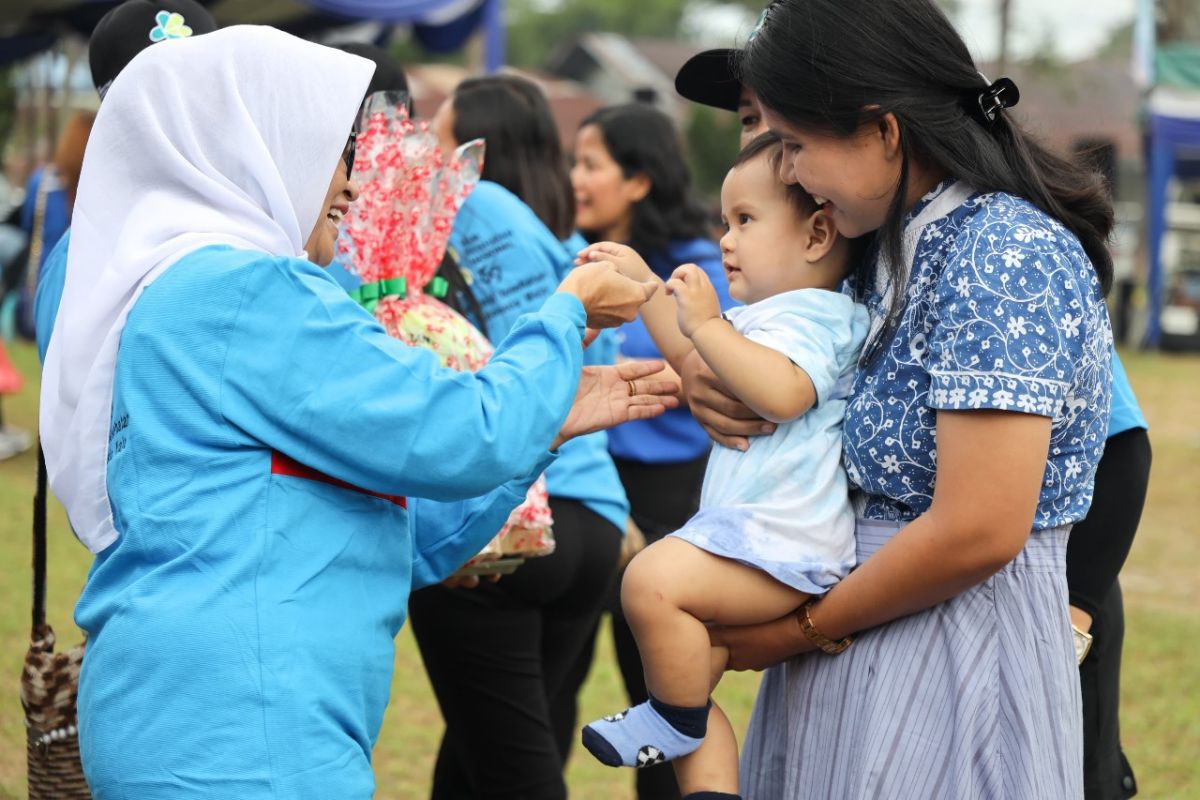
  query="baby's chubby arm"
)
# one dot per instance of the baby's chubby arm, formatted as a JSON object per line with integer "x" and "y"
{"x": 764, "y": 379}
{"x": 658, "y": 313}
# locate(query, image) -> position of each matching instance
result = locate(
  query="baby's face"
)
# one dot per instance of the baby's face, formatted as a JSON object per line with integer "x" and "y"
{"x": 766, "y": 237}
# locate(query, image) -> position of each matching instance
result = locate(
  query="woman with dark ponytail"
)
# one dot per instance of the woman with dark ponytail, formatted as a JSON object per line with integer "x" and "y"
{"x": 973, "y": 427}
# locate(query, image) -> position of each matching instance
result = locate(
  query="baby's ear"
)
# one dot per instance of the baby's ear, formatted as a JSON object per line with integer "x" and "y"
{"x": 821, "y": 235}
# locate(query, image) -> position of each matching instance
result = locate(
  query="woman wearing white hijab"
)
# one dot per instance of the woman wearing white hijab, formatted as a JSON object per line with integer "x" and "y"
{"x": 234, "y": 438}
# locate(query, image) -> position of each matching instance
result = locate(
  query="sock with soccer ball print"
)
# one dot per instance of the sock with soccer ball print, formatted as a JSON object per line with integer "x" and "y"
{"x": 647, "y": 734}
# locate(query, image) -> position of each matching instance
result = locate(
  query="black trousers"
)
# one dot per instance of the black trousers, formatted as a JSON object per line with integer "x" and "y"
{"x": 1106, "y": 771}
{"x": 1096, "y": 551}
{"x": 661, "y": 497}
{"x": 498, "y": 657}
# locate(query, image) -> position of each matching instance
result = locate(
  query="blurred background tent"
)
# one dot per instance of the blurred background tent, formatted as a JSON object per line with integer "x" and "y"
{"x": 1167, "y": 39}
{"x": 30, "y": 26}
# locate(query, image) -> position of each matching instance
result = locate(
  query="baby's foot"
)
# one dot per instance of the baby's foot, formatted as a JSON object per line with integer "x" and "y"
{"x": 647, "y": 734}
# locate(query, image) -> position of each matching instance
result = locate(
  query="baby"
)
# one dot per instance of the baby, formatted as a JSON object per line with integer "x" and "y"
{"x": 775, "y": 526}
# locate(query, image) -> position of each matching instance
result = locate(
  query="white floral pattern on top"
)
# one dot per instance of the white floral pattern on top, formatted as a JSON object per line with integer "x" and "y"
{"x": 1003, "y": 310}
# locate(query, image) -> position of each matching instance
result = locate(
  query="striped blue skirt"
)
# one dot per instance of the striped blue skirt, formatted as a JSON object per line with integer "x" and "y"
{"x": 977, "y": 697}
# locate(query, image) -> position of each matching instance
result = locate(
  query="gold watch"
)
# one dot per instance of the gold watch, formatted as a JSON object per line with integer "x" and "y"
{"x": 823, "y": 642}
{"x": 1083, "y": 644}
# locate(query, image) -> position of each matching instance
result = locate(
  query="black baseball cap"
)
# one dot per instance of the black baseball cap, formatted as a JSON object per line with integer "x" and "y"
{"x": 131, "y": 27}
{"x": 710, "y": 78}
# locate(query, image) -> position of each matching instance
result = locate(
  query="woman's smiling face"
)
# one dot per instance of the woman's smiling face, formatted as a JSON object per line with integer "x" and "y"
{"x": 854, "y": 177}
{"x": 604, "y": 197}
{"x": 342, "y": 192}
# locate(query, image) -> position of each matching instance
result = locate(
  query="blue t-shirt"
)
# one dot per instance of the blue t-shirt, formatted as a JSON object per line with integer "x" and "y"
{"x": 675, "y": 436}
{"x": 1002, "y": 310}
{"x": 245, "y": 616}
{"x": 1126, "y": 414}
{"x": 514, "y": 263}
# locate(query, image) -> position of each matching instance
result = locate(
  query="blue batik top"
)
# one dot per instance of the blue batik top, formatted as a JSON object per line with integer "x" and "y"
{"x": 1002, "y": 310}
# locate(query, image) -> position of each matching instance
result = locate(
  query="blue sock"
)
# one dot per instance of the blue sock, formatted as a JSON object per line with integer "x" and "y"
{"x": 647, "y": 734}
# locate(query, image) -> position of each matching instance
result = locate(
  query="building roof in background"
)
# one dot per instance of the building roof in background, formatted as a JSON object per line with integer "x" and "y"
{"x": 614, "y": 68}
{"x": 668, "y": 55}
{"x": 1096, "y": 98}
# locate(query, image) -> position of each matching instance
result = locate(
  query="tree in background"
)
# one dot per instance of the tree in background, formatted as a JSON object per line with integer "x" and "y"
{"x": 711, "y": 136}
{"x": 537, "y": 27}
{"x": 8, "y": 106}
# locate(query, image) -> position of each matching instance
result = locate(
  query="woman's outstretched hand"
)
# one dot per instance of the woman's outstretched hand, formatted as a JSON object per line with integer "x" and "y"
{"x": 610, "y": 298}
{"x": 608, "y": 396}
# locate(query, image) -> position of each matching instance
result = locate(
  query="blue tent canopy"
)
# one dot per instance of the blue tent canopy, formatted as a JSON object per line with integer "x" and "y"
{"x": 1173, "y": 128}
{"x": 440, "y": 25}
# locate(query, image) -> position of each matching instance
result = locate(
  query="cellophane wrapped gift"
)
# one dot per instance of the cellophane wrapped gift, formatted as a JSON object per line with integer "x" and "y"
{"x": 394, "y": 238}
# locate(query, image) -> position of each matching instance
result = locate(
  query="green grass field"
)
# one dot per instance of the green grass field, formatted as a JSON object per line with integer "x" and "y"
{"x": 1161, "y": 687}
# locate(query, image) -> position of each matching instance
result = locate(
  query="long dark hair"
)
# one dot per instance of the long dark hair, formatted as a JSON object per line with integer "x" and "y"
{"x": 524, "y": 153}
{"x": 833, "y": 65}
{"x": 642, "y": 139}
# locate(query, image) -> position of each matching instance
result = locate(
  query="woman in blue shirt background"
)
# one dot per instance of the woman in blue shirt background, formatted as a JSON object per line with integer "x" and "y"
{"x": 632, "y": 185}
{"x": 498, "y": 655}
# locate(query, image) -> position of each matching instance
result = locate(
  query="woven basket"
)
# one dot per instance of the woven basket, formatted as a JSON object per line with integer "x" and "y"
{"x": 50, "y": 686}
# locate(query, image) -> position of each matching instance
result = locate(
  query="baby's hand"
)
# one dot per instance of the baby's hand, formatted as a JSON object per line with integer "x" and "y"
{"x": 695, "y": 298}
{"x": 623, "y": 257}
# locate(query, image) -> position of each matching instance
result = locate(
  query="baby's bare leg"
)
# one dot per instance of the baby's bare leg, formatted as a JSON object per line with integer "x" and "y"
{"x": 669, "y": 594}
{"x": 713, "y": 767}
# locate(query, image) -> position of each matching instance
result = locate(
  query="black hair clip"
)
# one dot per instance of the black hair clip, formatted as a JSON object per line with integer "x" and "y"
{"x": 1001, "y": 94}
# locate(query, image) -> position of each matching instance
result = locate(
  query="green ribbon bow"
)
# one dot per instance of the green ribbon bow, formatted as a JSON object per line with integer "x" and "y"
{"x": 369, "y": 294}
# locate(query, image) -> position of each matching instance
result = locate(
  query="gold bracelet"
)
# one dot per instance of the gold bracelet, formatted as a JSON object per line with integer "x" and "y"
{"x": 1083, "y": 644}
{"x": 822, "y": 642}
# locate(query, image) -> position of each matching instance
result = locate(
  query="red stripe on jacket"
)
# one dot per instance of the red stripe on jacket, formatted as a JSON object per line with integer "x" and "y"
{"x": 282, "y": 465}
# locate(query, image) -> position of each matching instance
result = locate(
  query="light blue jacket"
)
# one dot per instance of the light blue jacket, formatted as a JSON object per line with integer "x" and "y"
{"x": 265, "y": 430}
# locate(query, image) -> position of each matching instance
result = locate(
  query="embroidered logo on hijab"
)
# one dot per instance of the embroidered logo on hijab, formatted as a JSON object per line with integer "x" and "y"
{"x": 170, "y": 26}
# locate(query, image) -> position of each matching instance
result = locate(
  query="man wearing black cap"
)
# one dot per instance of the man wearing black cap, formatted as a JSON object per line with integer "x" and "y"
{"x": 710, "y": 78}
{"x": 121, "y": 34}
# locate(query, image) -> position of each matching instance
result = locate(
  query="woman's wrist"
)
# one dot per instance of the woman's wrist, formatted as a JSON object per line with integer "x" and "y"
{"x": 813, "y": 634}
{"x": 571, "y": 285}
{"x": 1081, "y": 619}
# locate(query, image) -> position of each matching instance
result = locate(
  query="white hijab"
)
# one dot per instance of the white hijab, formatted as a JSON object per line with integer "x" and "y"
{"x": 228, "y": 138}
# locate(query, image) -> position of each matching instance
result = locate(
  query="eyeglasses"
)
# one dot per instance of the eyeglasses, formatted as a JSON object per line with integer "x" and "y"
{"x": 348, "y": 153}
